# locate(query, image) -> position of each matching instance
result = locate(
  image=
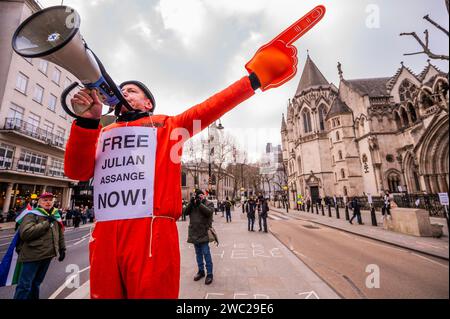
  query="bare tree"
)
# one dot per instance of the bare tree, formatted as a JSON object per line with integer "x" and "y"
{"x": 194, "y": 157}
{"x": 425, "y": 44}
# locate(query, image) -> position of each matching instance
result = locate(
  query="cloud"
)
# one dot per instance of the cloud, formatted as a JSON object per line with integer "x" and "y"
{"x": 187, "y": 50}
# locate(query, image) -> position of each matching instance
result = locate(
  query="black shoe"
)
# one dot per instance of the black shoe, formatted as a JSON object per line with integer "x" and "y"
{"x": 199, "y": 276}
{"x": 350, "y": 222}
{"x": 209, "y": 279}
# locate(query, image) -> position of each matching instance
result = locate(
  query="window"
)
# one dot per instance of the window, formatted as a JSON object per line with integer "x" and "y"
{"x": 56, "y": 77}
{"x": 38, "y": 93}
{"x": 52, "y": 103}
{"x": 340, "y": 155}
{"x": 57, "y": 168}
{"x": 406, "y": 90}
{"x": 322, "y": 115}
{"x": 60, "y": 133}
{"x": 67, "y": 82}
{"x": 394, "y": 182}
{"x": 32, "y": 162}
{"x": 6, "y": 155}
{"x": 342, "y": 173}
{"x": 33, "y": 123}
{"x": 47, "y": 129}
{"x": 307, "y": 121}
{"x": 43, "y": 66}
{"x": 22, "y": 83}
{"x": 338, "y": 136}
{"x": 15, "y": 116}
{"x": 412, "y": 112}
{"x": 332, "y": 159}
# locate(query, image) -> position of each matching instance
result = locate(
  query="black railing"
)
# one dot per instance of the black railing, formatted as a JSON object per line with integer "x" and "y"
{"x": 19, "y": 125}
{"x": 430, "y": 202}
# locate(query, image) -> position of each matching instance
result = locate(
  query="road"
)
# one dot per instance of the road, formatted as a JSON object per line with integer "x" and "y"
{"x": 341, "y": 259}
{"x": 77, "y": 259}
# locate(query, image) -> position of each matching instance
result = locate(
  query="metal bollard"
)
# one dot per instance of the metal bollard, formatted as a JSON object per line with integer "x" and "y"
{"x": 329, "y": 210}
{"x": 347, "y": 216}
{"x": 373, "y": 216}
{"x": 337, "y": 212}
{"x": 323, "y": 212}
{"x": 317, "y": 209}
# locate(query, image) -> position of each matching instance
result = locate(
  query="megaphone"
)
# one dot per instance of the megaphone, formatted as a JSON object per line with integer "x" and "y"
{"x": 53, "y": 34}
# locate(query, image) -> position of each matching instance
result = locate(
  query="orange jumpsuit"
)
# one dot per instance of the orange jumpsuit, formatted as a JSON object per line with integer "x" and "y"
{"x": 121, "y": 266}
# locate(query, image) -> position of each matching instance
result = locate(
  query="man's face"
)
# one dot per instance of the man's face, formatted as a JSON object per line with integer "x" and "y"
{"x": 136, "y": 98}
{"x": 46, "y": 203}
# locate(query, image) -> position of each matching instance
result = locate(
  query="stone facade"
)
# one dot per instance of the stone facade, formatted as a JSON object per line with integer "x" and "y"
{"x": 33, "y": 126}
{"x": 368, "y": 135}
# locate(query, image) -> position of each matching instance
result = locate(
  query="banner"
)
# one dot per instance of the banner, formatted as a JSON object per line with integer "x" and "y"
{"x": 124, "y": 173}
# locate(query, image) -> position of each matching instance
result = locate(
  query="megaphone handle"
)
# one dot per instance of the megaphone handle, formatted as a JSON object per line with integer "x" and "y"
{"x": 110, "y": 83}
{"x": 64, "y": 95}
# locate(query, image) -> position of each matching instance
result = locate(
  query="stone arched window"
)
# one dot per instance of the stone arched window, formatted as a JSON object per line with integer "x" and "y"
{"x": 342, "y": 173}
{"x": 340, "y": 155}
{"x": 407, "y": 90}
{"x": 322, "y": 115}
{"x": 345, "y": 191}
{"x": 306, "y": 116}
{"x": 393, "y": 182}
{"x": 412, "y": 112}
{"x": 335, "y": 177}
{"x": 397, "y": 120}
{"x": 338, "y": 136}
{"x": 332, "y": 159}
{"x": 404, "y": 116}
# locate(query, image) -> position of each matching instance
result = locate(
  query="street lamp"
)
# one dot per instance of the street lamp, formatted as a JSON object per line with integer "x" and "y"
{"x": 217, "y": 127}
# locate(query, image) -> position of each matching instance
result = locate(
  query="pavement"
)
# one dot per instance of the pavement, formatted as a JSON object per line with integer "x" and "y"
{"x": 247, "y": 265}
{"x": 436, "y": 247}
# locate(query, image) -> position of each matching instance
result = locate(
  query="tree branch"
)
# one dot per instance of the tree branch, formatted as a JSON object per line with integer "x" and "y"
{"x": 426, "y": 50}
{"x": 427, "y": 17}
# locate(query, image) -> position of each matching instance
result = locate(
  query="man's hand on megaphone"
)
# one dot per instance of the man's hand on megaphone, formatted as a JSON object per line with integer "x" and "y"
{"x": 86, "y": 103}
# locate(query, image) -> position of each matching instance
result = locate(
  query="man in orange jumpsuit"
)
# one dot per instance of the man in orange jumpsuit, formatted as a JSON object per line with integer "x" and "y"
{"x": 134, "y": 249}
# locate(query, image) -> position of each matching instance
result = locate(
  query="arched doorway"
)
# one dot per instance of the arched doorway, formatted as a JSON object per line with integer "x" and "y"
{"x": 433, "y": 153}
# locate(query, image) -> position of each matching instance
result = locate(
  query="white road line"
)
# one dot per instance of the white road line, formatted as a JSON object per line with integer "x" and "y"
{"x": 430, "y": 260}
{"x": 64, "y": 285}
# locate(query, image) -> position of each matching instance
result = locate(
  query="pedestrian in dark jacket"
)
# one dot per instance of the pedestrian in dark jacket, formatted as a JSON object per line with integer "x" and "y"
{"x": 200, "y": 213}
{"x": 251, "y": 208}
{"x": 356, "y": 207}
{"x": 263, "y": 214}
{"x": 41, "y": 239}
{"x": 227, "y": 205}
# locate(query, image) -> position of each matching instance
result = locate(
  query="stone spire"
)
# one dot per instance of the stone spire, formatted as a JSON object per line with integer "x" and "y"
{"x": 283, "y": 124}
{"x": 311, "y": 77}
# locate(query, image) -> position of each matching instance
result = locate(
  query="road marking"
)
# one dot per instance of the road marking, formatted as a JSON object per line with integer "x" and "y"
{"x": 64, "y": 285}
{"x": 430, "y": 260}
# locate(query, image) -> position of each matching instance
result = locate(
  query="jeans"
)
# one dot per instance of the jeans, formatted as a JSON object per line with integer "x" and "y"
{"x": 202, "y": 251}
{"x": 251, "y": 223}
{"x": 358, "y": 216}
{"x": 263, "y": 223}
{"x": 30, "y": 279}
{"x": 228, "y": 213}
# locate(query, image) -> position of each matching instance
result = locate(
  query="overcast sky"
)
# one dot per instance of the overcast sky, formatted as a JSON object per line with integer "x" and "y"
{"x": 186, "y": 50}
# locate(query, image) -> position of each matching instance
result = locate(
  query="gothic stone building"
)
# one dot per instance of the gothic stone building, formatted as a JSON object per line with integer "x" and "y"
{"x": 368, "y": 135}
